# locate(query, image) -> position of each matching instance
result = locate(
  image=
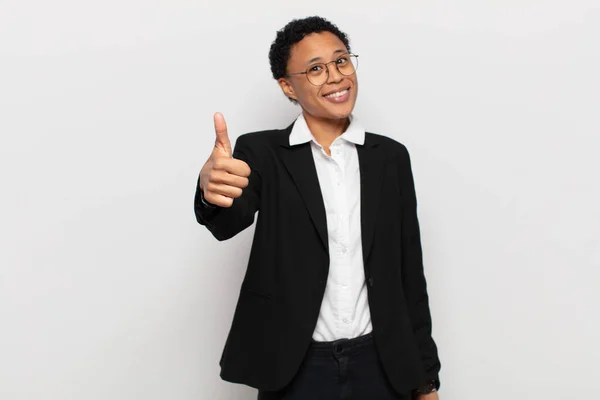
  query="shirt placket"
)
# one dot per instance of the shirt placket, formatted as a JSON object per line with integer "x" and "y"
{"x": 342, "y": 240}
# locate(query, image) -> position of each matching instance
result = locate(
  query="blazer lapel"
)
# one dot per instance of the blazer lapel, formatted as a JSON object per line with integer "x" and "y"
{"x": 371, "y": 170}
{"x": 300, "y": 164}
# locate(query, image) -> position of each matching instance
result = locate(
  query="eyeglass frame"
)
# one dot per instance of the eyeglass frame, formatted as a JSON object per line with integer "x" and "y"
{"x": 326, "y": 69}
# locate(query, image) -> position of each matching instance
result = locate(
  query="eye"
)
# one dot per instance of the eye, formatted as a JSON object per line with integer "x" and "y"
{"x": 315, "y": 68}
{"x": 342, "y": 60}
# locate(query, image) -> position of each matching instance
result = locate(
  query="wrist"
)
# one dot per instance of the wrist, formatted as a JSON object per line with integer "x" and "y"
{"x": 430, "y": 386}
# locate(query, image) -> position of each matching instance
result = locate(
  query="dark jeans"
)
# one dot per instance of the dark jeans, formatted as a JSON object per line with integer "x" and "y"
{"x": 343, "y": 369}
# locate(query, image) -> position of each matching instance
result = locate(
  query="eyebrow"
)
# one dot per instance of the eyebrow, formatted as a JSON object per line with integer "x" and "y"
{"x": 320, "y": 58}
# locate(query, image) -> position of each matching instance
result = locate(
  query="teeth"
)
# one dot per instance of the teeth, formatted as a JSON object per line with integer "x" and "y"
{"x": 338, "y": 94}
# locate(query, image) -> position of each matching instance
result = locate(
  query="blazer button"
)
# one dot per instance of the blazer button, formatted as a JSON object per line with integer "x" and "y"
{"x": 370, "y": 282}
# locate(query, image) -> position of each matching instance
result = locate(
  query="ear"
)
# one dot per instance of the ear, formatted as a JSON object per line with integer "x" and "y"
{"x": 287, "y": 88}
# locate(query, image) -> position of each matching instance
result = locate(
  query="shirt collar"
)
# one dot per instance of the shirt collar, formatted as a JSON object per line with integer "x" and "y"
{"x": 300, "y": 134}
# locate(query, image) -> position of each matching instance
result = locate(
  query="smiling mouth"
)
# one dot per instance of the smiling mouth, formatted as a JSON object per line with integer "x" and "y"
{"x": 337, "y": 94}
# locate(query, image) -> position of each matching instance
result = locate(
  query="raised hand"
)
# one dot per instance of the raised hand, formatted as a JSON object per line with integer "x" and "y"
{"x": 222, "y": 177}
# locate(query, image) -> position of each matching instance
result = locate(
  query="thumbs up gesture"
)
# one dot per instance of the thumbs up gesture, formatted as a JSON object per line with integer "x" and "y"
{"x": 222, "y": 177}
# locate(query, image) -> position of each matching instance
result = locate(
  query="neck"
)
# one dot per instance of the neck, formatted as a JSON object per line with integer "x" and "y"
{"x": 324, "y": 130}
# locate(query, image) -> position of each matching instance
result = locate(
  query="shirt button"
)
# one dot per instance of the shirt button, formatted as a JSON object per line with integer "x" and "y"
{"x": 346, "y": 321}
{"x": 344, "y": 250}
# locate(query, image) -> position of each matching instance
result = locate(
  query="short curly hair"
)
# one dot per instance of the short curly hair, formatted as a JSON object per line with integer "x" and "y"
{"x": 292, "y": 33}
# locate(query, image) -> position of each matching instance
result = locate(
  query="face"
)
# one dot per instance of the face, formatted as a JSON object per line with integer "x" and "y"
{"x": 318, "y": 101}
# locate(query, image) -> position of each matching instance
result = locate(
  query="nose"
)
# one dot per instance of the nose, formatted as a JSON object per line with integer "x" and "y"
{"x": 334, "y": 74}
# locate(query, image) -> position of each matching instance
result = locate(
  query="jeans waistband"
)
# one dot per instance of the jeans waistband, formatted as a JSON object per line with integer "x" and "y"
{"x": 341, "y": 345}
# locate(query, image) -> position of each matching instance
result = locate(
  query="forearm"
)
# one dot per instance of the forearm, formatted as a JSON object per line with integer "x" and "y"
{"x": 417, "y": 298}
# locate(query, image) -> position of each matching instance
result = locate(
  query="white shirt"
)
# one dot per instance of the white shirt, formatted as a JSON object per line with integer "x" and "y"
{"x": 345, "y": 307}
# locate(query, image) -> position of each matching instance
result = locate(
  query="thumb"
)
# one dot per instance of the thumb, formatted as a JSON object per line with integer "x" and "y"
{"x": 222, "y": 141}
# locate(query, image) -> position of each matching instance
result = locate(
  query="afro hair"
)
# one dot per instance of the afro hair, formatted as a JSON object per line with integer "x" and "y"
{"x": 292, "y": 33}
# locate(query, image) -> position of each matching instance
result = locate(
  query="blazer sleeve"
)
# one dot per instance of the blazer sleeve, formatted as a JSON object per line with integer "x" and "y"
{"x": 413, "y": 276}
{"x": 226, "y": 222}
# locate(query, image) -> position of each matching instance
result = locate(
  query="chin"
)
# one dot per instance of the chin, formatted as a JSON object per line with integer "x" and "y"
{"x": 339, "y": 115}
{"x": 339, "y": 112}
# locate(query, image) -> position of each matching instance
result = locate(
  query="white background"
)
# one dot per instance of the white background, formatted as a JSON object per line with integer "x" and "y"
{"x": 110, "y": 290}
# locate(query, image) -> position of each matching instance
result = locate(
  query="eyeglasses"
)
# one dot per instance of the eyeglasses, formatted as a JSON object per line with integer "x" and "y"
{"x": 318, "y": 74}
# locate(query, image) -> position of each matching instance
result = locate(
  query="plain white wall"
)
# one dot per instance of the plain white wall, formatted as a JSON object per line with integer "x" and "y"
{"x": 110, "y": 290}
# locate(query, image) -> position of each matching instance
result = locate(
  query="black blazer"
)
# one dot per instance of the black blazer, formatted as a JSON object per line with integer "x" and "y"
{"x": 282, "y": 290}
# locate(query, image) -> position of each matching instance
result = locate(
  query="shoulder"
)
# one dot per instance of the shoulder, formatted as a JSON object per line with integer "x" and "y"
{"x": 386, "y": 144}
{"x": 263, "y": 139}
{"x": 257, "y": 148}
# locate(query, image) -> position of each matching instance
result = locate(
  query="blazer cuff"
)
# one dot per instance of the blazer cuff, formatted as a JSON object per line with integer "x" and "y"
{"x": 204, "y": 202}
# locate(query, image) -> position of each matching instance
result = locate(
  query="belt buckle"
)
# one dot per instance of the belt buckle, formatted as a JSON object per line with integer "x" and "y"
{"x": 338, "y": 345}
